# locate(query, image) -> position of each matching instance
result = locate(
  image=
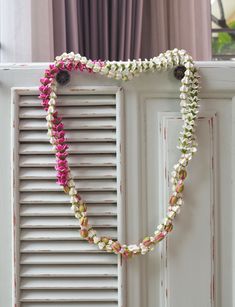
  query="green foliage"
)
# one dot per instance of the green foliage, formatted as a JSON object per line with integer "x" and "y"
{"x": 224, "y": 43}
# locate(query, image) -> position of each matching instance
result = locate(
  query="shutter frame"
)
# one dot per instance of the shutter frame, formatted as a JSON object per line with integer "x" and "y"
{"x": 17, "y": 94}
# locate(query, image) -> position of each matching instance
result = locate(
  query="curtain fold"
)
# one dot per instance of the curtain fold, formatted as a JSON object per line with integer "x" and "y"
{"x": 72, "y": 26}
{"x": 60, "y": 27}
{"x": 128, "y": 29}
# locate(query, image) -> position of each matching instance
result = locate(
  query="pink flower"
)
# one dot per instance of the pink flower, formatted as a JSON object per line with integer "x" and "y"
{"x": 57, "y": 120}
{"x": 127, "y": 254}
{"x": 62, "y": 163}
{"x": 116, "y": 246}
{"x": 59, "y": 127}
{"x": 48, "y": 74}
{"x": 61, "y": 155}
{"x": 53, "y": 69}
{"x": 44, "y": 102}
{"x": 60, "y": 140}
{"x": 62, "y": 148}
{"x": 159, "y": 237}
{"x": 60, "y": 65}
{"x": 61, "y": 169}
{"x": 45, "y": 89}
{"x": 62, "y": 178}
{"x": 69, "y": 66}
{"x": 43, "y": 96}
{"x": 76, "y": 66}
{"x": 45, "y": 81}
{"x": 59, "y": 134}
{"x": 100, "y": 62}
{"x": 81, "y": 66}
{"x": 79, "y": 196}
{"x": 55, "y": 114}
{"x": 62, "y": 182}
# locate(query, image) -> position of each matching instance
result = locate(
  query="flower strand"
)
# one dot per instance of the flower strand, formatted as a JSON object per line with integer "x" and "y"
{"x": 125, "y": 71}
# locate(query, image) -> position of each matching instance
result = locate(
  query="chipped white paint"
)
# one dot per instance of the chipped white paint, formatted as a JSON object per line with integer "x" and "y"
{"x": 173, "y": 276}
{"x": 169, "y": 122}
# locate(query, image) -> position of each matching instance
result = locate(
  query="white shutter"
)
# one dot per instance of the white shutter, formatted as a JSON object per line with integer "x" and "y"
{"x": 54, "y": 266}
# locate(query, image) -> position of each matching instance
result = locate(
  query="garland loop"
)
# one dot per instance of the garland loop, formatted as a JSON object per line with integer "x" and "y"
{"x": 187, "y": 143}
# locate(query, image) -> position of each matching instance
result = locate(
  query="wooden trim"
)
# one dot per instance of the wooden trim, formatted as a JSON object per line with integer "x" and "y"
{"x": 15, "y": 197}
{"x": 44, "y": 65}
{"x": 120, "y": 121}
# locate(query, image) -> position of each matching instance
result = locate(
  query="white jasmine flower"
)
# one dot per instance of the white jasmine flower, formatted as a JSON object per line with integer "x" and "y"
{"x": 118, "y": 76}
{"x": 101, "y": 245}
{"x": 171, "y": 214}
{"x": 64, "y": 56}
{"x": 71, "y": 55}
{"x": 52, "y": 140}
{"x": 176, "y": 209}
{"x": 83, "y": 60}
{"x": 91, "y": 232}
{"x": 71, "y": 183}
{"x": 49, "y": 132}
{"x": 96, "y": 239}
{"x": 90, "y": 64}
{"x": 72, "y": 191}
{"x": 73, "y": 199}
{"x": 53, "y": 95}
{"x": 51, "y": 102}
{"x": 143, "y": 248}
{"x": 160, "y": 227}
{"x": 179, "y": 201}
{"x": 96, "y": 68}
{"x": 49, "y": 117}
{"x": 77, "y": 57}
{"x": 134, "y": 248}
{"x": 104, "y": 70}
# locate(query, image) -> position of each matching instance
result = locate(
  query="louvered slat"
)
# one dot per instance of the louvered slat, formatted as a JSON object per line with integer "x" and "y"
{"x": 80, "y": 259}
{"x": 104, "y": 123}
{"x": 62, "y": 210}
{"x": 71, "y": 136}
{"x": 57, "y": 267}
{"x": 79, "y": 173}
{"x": 76, "y": 112}
{"x": 59, "y": 197}
{"x": 83, "y": 148}
{"x": 71, "y": 304}
{"x": 83, "y": 185}
{"x": 82, "y": 283}
{"x": 102, "y": 160}
{"x": 58, "y": 234}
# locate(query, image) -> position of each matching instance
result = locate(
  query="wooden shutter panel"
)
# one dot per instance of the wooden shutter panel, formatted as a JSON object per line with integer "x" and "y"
{"x": 54, "y": 266}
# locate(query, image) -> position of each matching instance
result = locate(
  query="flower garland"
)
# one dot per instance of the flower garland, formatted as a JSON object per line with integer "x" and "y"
{"x": 187, "y": 143}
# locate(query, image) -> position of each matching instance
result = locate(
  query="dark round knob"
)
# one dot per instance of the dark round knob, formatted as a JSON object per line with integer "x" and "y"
{"x": 63, "y": 77}
{"x": 179, "y": 72}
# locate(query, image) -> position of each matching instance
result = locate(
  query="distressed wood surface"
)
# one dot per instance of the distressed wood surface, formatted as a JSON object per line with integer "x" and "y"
{"x": 194, "y": 266}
